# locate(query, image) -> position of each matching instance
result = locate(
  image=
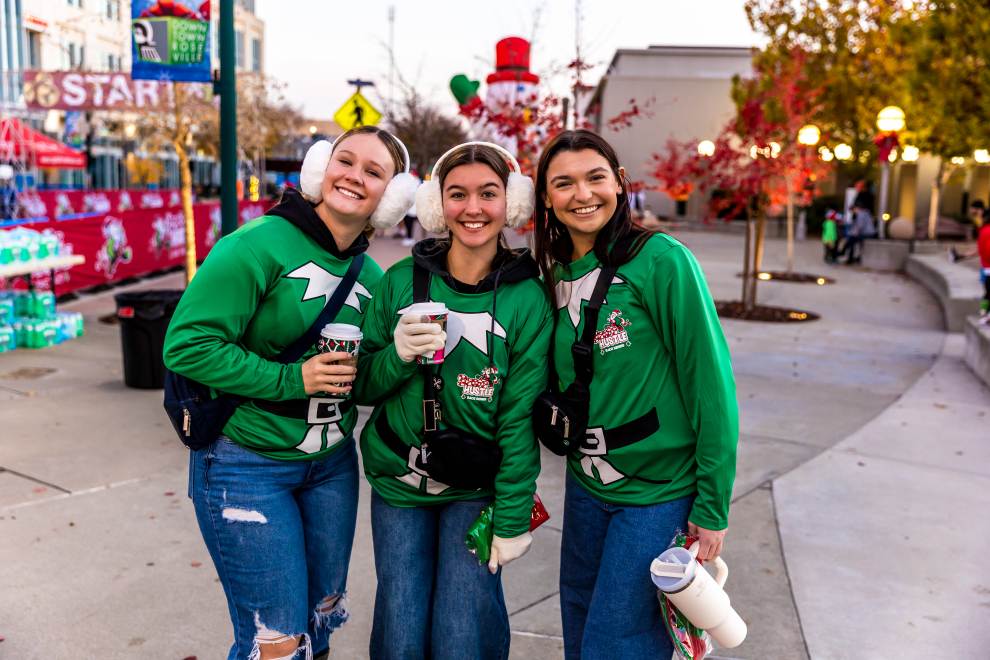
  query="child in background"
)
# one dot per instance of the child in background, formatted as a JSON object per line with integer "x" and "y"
{"x": 830, "y": 236}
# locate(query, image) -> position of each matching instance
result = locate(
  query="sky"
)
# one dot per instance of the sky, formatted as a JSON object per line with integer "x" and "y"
{"x": 315, "y": 46}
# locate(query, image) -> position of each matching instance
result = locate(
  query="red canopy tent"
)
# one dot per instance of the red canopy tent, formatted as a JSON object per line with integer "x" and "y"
{"x": 19, "y": 141}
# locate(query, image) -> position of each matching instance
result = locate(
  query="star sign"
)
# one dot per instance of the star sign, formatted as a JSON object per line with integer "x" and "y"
{"x": 323, "y": 283}
{"x": 575, "y": 292}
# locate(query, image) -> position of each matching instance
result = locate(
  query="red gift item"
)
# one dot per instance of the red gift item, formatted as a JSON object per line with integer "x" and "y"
{"x": 539, "y": 514}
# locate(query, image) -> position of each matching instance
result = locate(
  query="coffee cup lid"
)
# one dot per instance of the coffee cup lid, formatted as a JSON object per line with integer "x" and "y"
{"x": 341, "y": 331}
{"x": 428, "y": 308}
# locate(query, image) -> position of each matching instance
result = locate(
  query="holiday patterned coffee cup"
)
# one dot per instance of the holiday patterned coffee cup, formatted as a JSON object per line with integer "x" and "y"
{"x": 341, "y": 338}
{"x": 431, "y": 312}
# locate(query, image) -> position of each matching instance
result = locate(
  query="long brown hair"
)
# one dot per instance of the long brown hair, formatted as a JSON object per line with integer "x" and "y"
{"x": 617, "y": 242}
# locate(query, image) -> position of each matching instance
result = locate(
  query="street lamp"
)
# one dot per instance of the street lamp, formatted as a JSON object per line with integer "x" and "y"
{"x": 957, "y": 160}
{"x": 843, "y": 151}
{"x": 706, "y": 148}
{"x": 826, "y": 154}
{"x": 910, "y": 154}
{"x": 890, "y": 121}
{"x": 809, "y": 135}
{"x": 982, "y": 156}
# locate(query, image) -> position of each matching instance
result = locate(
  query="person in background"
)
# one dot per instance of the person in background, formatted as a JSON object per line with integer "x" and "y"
{"x": 978, "y": 212}
{"x": 862, "y": 226}
{"x": 830, "y": 236}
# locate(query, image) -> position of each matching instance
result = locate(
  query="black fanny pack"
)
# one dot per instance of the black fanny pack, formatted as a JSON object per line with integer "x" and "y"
{"x": 451, "y": 456}
{"x": 560, "y": 419}
{"x": 198, "y": 417}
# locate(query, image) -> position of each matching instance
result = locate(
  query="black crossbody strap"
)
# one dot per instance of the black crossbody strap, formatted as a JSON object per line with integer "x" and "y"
{"x": 298, "y": 348}
{"x": 583, "y": 349}
{"x": 431, "y": 402}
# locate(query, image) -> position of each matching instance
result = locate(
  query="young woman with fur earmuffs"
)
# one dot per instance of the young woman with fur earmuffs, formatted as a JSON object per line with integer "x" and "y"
{"x": 276, "y": 493}
{"x": 432, "y": 474}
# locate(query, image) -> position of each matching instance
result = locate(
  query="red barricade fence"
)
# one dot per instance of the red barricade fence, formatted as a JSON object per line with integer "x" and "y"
{"x": 121, "y": 244}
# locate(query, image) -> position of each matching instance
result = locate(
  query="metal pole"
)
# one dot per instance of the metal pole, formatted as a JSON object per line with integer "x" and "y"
{"x": 884, "y": 184}
{"x": 228, "y": 120}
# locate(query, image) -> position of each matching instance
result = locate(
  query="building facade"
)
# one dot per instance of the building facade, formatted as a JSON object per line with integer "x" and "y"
{"x": 686, "y": 89}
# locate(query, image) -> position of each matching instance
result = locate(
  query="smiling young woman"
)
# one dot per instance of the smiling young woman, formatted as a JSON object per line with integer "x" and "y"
{"x": 276, "y": 494}
{"x": 659, "y": 455}
{"x": 433, "y": 599}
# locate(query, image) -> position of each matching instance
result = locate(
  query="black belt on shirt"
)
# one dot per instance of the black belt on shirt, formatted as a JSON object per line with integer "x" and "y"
{"x": 598, "y": 440}
{"x": 390, "y": 437}
{"x": 298, "y": 408}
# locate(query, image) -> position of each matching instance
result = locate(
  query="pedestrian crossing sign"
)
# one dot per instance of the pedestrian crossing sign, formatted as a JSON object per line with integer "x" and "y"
{"x": 357, "y": 111}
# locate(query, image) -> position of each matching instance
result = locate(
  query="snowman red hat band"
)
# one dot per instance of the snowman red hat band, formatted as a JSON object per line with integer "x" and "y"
{"x": 396, "y": 200}
{"x": 520, "y": 199}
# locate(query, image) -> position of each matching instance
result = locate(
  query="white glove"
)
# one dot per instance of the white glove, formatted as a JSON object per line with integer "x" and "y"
{"x": 505, "y": 550}
{"x": 414, "y": 338}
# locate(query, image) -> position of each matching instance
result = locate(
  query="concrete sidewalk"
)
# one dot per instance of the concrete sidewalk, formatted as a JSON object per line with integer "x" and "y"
{"x": 862, "y": 471}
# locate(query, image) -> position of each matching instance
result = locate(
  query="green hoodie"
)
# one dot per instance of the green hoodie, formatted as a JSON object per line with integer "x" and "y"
{"x": 490, "y": 380}
{"x": 662, "y": 371}
{"x": 258, "y": 291}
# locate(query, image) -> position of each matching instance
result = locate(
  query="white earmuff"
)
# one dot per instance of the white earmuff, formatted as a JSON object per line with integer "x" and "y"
{"x": 396, "y": 200}
{"x": 519, "y": 194}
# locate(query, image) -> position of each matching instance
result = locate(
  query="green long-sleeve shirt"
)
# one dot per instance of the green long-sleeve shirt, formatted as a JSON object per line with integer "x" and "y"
{"x": 490, "y": 380}
{"x": 258, "y": 291}
{"x": 658, "y": 346}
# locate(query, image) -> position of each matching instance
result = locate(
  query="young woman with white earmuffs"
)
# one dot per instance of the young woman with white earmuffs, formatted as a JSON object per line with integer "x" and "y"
{"x": 276, "y": 493}
{"x": 446, "y": 439}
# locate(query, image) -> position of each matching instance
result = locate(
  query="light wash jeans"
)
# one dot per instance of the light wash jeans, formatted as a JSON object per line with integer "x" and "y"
{"x": 434, "y": 600}
{"x": 280, "y": 535}
{"x": 608, "y": 603}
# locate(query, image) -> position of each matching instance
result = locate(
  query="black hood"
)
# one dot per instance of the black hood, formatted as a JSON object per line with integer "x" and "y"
{"x": 508, "y": 266}
{"x": 294, "y": 208}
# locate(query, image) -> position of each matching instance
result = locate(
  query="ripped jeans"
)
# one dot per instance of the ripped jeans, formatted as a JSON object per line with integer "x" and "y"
{"x": 280, "y": 535}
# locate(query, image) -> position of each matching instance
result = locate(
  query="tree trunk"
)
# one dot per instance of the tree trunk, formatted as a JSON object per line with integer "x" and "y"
{"x": 747, "y": 272}
{"x": 758, "y": 244}
{"x": 942, "y": 178}
{"x": 790, "y": 231}
{"x": 185, "y": 178}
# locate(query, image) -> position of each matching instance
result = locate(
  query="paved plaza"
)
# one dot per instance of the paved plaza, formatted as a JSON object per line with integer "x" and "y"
{"x": 858, "y": 529}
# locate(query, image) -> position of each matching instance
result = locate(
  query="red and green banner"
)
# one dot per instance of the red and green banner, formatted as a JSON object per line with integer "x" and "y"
{"x": 119, "y": 245}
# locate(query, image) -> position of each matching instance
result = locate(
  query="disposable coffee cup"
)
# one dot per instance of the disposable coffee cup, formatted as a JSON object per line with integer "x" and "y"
{"x": 341, "y": 338}
{"x": 431, "y": 312}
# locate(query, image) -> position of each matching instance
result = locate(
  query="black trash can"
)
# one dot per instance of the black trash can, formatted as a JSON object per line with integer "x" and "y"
{"x": 144, "y": 317}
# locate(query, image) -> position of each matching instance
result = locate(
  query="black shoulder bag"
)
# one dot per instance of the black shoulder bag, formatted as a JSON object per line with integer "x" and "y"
{"x": 450, "y": 455}
{"x": 198, "y": 418}
{"x": 560, "y": 419}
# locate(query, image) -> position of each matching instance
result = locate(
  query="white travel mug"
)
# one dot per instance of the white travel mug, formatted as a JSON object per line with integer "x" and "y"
{"x": 697, "y": 595}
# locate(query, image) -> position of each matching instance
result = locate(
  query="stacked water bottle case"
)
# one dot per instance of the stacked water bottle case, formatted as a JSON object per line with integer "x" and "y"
{"x": 28, "y": 319}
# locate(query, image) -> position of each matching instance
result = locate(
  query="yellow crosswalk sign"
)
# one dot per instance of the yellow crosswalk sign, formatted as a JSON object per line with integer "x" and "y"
{"x": 357, "y": 111}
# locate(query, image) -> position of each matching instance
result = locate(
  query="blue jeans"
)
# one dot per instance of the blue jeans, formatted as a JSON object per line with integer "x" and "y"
{"x": 280, "y": 535}
{"x": 433, "y": 600}
{"x": 608, "y": 605}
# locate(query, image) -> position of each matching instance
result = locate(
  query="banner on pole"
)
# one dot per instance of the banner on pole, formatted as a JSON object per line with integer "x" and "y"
{"x": 170, "y": 41}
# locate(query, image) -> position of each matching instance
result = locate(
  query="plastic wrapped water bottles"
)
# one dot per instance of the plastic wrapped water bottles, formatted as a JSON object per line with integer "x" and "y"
{"x": 20, "y": 245}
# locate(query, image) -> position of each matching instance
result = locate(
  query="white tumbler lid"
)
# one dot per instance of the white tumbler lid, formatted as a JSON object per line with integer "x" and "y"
{"x": 673, "y": 569}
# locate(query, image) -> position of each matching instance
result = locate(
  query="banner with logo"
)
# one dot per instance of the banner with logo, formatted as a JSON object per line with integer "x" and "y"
{"x": 119, "y": 245}
{"x": 75, "y": 90}
{"x": 43, "y": 205}
{"x": 170, "y": 40}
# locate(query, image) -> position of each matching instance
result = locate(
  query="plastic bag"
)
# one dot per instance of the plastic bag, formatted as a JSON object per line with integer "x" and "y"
{"x": 690, "y": 642}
